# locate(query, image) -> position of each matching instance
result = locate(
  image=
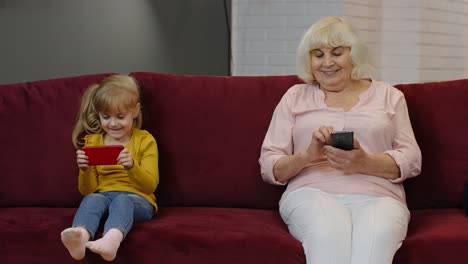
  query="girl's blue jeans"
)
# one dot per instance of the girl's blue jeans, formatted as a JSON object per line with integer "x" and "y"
{"x": 120, "y": 209}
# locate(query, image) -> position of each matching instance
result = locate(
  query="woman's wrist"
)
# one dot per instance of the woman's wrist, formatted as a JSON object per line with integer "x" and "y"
{"x": 303, "y": 159}
{"x": 382, "y": 166}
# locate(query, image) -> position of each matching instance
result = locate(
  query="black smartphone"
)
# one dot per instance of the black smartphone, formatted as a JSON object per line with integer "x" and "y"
{"x": 342, "y": 140}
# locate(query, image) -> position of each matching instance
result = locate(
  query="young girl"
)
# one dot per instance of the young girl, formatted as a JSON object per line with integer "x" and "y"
{"x": 122, "y": 193}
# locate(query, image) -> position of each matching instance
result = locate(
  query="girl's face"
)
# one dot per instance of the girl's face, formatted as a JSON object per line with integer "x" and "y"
{"x": 331, "y": 67}
{"x": 118, "y": 124}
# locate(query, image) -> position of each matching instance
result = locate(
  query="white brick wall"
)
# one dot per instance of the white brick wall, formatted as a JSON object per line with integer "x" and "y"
{"x": 265, "y": 33}
{"x": 409, "y": 40}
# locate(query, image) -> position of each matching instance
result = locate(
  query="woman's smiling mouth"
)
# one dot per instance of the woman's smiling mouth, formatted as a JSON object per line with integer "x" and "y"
{"x": 330, "y": 72}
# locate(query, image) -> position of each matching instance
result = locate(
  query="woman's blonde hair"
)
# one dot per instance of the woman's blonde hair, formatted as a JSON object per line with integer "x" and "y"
{"x": 332, "y": 32}
{"x": 114, "y": 92}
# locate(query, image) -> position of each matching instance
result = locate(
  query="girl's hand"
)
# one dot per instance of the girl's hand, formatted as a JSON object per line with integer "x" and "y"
{"x": 82, "y": 160}
{"x": 351, "y": 161}
{"x": 125, "y": 159}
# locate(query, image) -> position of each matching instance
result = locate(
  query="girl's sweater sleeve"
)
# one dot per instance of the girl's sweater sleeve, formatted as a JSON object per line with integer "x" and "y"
{"x": 145, "y": 171}
{"x": 87, "y": 181}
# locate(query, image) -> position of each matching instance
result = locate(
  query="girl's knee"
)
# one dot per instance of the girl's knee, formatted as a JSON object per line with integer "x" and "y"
{"x": 122, "y": 200}
{"x": 95, "y": 198}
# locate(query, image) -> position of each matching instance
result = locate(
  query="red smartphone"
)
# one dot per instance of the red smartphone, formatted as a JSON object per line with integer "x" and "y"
{"x": 102, "y": 155}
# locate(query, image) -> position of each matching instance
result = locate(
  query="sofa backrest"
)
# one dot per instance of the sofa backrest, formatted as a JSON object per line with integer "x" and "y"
{"x": 439, "y": 115}
{"x": 209, "y": 131}
{"x": 38, "y": 164}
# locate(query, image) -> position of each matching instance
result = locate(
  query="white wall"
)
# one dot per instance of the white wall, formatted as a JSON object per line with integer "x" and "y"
{"x": 409, "y": 40}
{"x": 265, "y": 33}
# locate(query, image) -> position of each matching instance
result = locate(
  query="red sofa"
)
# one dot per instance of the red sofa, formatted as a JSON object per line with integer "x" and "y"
{"x": 214, "y": 206}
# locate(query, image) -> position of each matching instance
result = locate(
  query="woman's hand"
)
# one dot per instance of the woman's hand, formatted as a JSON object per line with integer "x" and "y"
{"x": 125, "y": 159}
{"x": 288, "y": 167}
{"x": 82, "y": 160}
{"x": 320, "y": 138}
{"x": 359, "y": 161}
{"x": 349, "y": 161}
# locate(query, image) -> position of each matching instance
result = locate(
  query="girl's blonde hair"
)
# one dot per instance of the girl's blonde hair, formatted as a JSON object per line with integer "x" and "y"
{"x": 332, "y": 32}
{"x": 114, "y": 92}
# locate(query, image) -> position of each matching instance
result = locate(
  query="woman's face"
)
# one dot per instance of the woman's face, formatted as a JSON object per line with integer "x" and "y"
{"x": 331, "y": 67}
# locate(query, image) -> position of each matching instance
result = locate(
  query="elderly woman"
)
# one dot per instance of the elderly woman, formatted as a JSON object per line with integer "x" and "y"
{"x": 344, "y": 206}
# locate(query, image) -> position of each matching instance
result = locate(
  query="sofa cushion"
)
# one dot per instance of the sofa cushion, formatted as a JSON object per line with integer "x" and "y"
{"x": 440, "y": 130}
{"x": 218, "y": 235}
{"x": 176, "y": 235}
{"x": 442, "y": 232}
{"x": 209, "y": 131}
{"x": 39, "y": 168}
{"x": 32, "y": 235}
